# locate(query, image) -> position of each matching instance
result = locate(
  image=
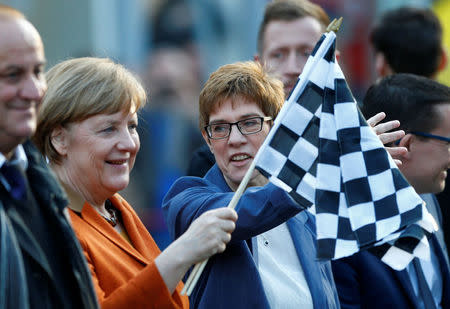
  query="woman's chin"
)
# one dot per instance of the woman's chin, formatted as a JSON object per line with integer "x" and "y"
{"x": 118, "y": 186}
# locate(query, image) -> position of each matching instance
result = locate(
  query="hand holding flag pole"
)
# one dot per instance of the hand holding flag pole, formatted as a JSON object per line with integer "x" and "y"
{"x": 198, "y": 268}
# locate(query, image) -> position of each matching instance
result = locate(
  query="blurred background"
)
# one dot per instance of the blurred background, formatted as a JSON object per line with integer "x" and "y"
{"x": 173, "y": 45}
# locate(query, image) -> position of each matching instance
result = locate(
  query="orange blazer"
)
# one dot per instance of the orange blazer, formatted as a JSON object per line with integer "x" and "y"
{"x": 124, "y": 275}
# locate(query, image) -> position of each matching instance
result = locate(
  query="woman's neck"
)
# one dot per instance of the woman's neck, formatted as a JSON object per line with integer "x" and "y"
{"x": 77, "y": 197}
{"x": 76, "y": 201}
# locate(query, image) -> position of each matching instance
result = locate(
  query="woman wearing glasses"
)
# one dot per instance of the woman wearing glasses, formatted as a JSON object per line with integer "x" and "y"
{"x": 271, "y": 260}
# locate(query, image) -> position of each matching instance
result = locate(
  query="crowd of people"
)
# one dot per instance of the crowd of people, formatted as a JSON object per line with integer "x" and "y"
{"x": 69, "y": 140}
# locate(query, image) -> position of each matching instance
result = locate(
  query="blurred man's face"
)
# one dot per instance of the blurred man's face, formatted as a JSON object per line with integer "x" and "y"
{"x": 428, "y": 159}
{"x": 287, "y": 46}
{"x": 22, "y": 83}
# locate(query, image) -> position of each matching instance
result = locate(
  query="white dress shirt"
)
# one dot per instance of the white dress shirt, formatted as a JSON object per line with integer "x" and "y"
{"x": 280, "y": 270}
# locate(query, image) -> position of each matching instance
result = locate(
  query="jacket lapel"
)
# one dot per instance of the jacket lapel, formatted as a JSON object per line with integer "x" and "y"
{"x": 136, "y": 230}
{"x": 302, "y": 229}
{"x": 445, "y": 273}
{"x": 93, "y": 218}
{"x": 27, "y": 241}
{"x": 404, "y": 279}
{"x": 405, "y": 283}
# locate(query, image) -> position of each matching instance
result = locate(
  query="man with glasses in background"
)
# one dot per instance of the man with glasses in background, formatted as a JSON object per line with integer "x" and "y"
{"x": 423, "y": 108}
{"x": 409, "y": 40}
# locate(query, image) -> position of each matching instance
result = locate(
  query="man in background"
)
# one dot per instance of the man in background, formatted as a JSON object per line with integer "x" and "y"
{"x": 409, "y": 40}
{"x": 423, "y": 107}
{"x": 287, "y": 36}
{"x": 41, "y": 263}
{"x": 405, "y": 40}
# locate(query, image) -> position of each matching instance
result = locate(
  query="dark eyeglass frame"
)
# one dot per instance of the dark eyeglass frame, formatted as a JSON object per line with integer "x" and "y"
{"x": 230, "y": 124}
{"x": 433, "y": 136}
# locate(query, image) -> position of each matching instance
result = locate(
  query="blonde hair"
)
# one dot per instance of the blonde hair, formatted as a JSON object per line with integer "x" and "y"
{"x": 7, "y": 13}
{"x": 248, "y": 80}
{"x": 80, "y": 88}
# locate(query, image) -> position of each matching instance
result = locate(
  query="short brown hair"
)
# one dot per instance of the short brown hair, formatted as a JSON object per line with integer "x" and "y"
{"x": 248, "y": 80}
{"x": 80, "y": 88}
{"x": 289, "y": 10}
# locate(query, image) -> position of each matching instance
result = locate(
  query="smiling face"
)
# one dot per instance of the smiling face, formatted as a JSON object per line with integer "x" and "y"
{"x": 98, "y": 154}
{"x": 428, "y": 159}
{"x": 22, "y": 82}
{"x": 287, "y": 46}
{"x": 235, "y": 153}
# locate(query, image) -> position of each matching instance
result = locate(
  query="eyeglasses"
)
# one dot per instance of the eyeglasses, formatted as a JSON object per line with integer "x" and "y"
{"x": 246, "y": 126}
{"x": 428, "y": 135}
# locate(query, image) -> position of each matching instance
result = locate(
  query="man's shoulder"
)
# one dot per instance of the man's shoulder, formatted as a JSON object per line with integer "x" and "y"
{"x": 201, "y": 161}
{"x": 41, "y": 179}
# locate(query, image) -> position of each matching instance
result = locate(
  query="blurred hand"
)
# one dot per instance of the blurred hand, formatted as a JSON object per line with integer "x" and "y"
{"x": 386, "y": 137}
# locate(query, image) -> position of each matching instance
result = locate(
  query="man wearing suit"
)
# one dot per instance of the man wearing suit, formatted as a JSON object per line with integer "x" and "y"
{"x": 423, "y": 108}
{"x": 392, "y": 38}
{"x": 40, "y": 259}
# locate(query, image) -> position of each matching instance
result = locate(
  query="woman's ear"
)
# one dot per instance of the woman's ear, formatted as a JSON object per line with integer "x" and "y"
{"x": 58, "y": 138}
{"x": 207, "y": 140}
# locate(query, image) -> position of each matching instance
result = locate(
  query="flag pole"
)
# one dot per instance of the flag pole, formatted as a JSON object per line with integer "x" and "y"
{"x": 198, "y": 268}
{"x": 334, "y": 25}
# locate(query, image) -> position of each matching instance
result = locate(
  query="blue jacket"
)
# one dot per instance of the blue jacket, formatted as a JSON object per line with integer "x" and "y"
{"x": 231, "y": 279}
{"x": 364, "y": 281}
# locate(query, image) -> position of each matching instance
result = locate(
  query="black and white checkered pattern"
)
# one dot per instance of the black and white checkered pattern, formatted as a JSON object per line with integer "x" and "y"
{"x": 322, "y": 152}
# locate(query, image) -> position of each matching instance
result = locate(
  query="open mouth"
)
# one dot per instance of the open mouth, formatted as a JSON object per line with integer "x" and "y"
{"x": 240, "y": 157}
{"x": 117, "y": 162}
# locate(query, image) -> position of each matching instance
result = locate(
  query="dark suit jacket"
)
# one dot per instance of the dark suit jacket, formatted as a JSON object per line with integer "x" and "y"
{"x": 42, "y": 289}
{"x": 364, "y": 281}
{"x": 231, "y": 279}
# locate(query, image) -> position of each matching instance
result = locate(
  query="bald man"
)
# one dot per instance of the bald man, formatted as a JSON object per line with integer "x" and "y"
{"x": 41, "y": 264}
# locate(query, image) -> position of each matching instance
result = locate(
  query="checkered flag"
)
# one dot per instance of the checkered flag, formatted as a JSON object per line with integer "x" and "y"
{"x": 323, "y": 153}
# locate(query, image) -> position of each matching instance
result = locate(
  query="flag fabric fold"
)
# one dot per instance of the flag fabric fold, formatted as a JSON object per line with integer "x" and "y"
{"x": 322, "y": 151}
